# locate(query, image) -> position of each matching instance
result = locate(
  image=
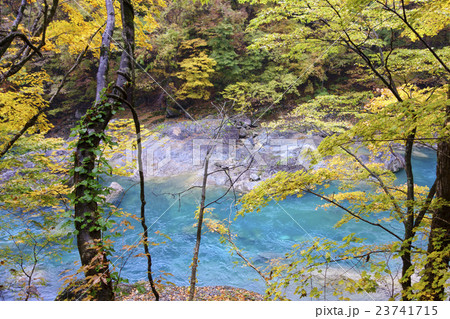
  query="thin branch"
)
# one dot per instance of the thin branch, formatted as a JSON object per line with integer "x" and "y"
{"x": 6, "y": 42}
{"x": 381, "y": 183}
{"x": 19, "y": 17}
{"x": 402, "y": 16}
{"x": 137, "y": 126}
{"x": 351, "y": 213}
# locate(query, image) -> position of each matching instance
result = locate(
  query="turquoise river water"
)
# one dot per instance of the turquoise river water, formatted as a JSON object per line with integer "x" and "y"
{"x": 268, "y": 234}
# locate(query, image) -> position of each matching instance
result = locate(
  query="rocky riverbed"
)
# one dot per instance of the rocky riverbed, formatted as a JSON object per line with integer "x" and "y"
{"x": 242, "y": 154}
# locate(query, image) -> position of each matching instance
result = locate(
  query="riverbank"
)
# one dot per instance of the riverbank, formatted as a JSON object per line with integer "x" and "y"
{"x": 242, "y": 154}
{"x": 141, "y": 292}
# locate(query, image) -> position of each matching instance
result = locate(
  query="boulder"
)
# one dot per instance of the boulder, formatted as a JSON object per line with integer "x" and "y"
{"x": 395, "y": 163}
{"x": 230, "y": 133}
{"x": 392, "y": 161}
{"x": 242, "y": 133}
{"x": 245, "y": 122}
{"x": 115, "y": 192}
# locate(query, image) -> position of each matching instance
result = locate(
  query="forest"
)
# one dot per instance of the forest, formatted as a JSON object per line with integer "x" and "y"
{"x": 225, "y": 150}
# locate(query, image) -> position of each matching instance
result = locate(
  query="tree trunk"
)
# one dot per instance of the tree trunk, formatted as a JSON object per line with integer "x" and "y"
{"x": 199, "y": 228}
{"x": 439, "y": 241}
{"x": 103, "y": 65}
{"x": 145, "y": 243}
{"x": 89, "y": 237}
{"x": 408, "y": 222}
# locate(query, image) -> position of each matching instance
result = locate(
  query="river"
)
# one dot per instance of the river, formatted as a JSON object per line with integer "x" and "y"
{"x": 268, "y": 234}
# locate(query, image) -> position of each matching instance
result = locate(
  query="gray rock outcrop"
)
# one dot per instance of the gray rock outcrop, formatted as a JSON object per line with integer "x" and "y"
{"x": 116, "y": 192}
{"x": 242, "y": 154}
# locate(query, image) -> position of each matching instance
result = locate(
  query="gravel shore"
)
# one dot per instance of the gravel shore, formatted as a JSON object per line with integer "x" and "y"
{"x": 177, "y": 293}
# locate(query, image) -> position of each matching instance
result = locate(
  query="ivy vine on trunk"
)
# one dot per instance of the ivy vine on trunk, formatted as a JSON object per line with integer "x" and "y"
{"x": 87, "y": 195}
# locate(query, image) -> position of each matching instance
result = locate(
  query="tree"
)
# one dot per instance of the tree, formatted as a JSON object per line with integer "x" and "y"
{"x": 71, "y": 30}
{"x": 195, "y": 71}
{"x": 87, "y": 190}
{"x": 356, "y": 25}
{"x": 434, "y": 274}
{"x": 221, "y": 66}
{"x": 203, "y": 208}
{"x": 435, "y": 271}
{"x": 69, "y": 33}
{"x": 18, "y": 46}
{"x": 89, "y": 193}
